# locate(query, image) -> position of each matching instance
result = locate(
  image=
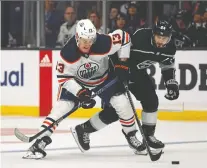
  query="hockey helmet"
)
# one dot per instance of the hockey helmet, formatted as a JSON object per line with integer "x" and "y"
{"x": 162, "y": 28}
{"x": 85, "y": 29}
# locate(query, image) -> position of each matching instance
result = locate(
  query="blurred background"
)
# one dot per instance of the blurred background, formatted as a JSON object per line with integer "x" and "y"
{"x": 49, "y": 24}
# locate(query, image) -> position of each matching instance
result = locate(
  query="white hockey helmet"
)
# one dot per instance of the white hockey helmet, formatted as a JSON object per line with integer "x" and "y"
{"x": 85, "y": 29}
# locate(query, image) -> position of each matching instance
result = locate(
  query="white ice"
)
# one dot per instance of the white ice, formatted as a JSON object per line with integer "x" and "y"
{"x": 186, "y": 142}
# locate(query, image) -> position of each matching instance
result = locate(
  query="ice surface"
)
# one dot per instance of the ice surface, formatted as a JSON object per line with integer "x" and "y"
{"x": 185, "y": 142}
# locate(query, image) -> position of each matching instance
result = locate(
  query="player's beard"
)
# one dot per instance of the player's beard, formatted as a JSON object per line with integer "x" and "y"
{"x": 160, "y": 45}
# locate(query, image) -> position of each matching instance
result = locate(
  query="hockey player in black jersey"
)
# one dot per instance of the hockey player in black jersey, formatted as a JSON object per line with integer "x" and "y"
{"x": 149, "y": 46}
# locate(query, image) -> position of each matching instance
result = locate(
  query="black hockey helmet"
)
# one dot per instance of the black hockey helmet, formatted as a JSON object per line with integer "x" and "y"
{"x": 163, "y": 28}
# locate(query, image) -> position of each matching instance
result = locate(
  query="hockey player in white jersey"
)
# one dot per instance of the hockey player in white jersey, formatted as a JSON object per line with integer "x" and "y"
{"x": 83, "y": 64}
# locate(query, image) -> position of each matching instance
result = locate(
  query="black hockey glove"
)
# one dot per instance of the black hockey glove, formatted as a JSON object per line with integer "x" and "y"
{"x": 172, "y": 89}
{"x": 84, "y": 95}
{"x": 122, "y": 71}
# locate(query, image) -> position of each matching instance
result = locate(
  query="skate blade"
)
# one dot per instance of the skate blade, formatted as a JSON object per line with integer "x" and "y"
{"x": 33, "y": 157}
{"x": 153, "y": 150}
{"x": 156, "y": 151}
{"x": 144, "y": 152}
{"x": 75, "y": 136}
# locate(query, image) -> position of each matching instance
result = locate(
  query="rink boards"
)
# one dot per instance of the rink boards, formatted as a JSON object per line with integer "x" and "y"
{"x": 29, "y": 86}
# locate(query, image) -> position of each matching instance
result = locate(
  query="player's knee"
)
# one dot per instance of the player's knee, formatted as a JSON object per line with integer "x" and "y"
{"x": 108, "y": 115}
{"x": 60, "y": 108}
{"x": 122, "y": 106}
{"x": 150, "y": 105}
{"x": 119, "y": 102}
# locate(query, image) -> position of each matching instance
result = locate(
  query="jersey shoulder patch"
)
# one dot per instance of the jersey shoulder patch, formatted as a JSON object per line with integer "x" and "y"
{"x": 102, "y": 45}
{"x": 69, "y": 51}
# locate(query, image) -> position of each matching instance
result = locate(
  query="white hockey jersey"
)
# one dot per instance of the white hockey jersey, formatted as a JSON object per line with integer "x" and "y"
{"x": 74, "y": 69}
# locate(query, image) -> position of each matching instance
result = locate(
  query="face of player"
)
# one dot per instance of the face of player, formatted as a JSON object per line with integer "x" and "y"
{"x": 161, "y": 41}
{"x": 85, "y": 45}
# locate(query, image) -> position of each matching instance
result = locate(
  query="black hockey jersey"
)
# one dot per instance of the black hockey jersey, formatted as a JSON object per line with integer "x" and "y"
{"x": 144, "y": 53}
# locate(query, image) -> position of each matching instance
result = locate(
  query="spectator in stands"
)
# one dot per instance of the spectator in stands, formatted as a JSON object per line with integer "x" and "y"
{"x": 53, "y": 20}
{"x": 201, "y": 13}
{"x": 112, "y": 17}
{"x": 201, "y": 7}
{"x": 179, "y": 25}
{"x": 170, "y": 8}
{"x": 67, "y": 29}
{"x": 180, "y": 29}
{"x": 134, "y": 20}
{"x": 16, "y": 22}
{"x": 203, "y": 40}
{"x": 124, "y": 8}
{"x": 121, "y": 22}
{"x": 95, "y": 18}
{"x": 197, "y": 31}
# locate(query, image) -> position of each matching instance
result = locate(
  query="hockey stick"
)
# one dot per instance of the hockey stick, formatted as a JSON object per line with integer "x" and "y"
{"x": 153, "y": 157}
{"x": 27, "y": 139}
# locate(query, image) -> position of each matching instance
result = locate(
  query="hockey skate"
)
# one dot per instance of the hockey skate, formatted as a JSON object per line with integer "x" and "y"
{"x": 36, "y": 151}
{"x": 155, "y": 145}
{"x": 137, "y": 146}
{"x": 81, "y": 137}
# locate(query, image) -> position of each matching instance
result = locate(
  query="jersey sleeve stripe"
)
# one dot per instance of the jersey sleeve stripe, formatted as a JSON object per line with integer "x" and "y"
{"x": 147, "y": 52}
{"x": 167, "y": 55}
{"x": 63, "y": 80}
{"x": 64, "y": 76}
{"x": 99, "y": 77}
{"x": 94, "y": 83}
{"x": 127, "y": 37}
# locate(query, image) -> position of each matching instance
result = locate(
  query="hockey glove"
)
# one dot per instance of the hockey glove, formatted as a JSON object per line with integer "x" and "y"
{"x": 84, "y": 95}
{"x": 89, "y": 104}
{"x": 122, "y": 71}
{"x": 172, "y": 89}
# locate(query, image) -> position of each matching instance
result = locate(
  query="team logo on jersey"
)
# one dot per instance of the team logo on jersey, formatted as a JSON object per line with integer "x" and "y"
{"x": 145, "y": 64}
{"x": 87, "y": 70}
{"x": 81, "y": 24}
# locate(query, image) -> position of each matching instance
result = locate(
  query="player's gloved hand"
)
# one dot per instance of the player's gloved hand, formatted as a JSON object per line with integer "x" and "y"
{"x": 122, "y": 71}
{"x": 172, "y": 89}
{"x": 89, "y": 104}
{"x": 84, "y": 95}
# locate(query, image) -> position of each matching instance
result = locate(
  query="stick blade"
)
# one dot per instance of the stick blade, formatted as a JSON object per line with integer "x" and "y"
{"x": 155, "y": 157}
{"x": 21, "y": 136}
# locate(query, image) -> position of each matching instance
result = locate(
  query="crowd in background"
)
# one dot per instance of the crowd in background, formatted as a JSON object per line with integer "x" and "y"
{"x": 189, "y": 21}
